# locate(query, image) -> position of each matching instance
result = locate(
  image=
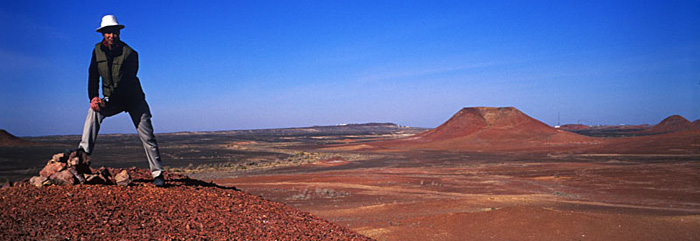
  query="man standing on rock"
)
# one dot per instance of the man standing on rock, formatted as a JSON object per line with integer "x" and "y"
{"x": 117, "y": 64}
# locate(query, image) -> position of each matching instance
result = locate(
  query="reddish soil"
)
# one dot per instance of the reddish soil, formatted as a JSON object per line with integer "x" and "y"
{"x": 461, "y": 196}
{"x": 681, "y": 142}
{"x": 187, "y": 209}
{"x": 333, "y": 161}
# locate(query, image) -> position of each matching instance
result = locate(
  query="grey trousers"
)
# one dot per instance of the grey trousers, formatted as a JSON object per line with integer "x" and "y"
{"x": 141, "y": 117}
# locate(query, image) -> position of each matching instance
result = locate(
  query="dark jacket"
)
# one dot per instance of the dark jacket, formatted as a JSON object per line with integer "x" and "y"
{"x": 117, "y": 68}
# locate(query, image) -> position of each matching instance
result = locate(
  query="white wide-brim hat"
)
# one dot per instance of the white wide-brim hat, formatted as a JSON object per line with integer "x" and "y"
{"x": 109, "y": 21}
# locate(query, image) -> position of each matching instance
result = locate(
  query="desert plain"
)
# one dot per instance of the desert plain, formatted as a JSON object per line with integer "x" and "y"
{"x": 484, "y": 174}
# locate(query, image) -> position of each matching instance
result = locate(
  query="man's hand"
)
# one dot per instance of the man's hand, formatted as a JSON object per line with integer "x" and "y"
{"x": 96, "y": 103}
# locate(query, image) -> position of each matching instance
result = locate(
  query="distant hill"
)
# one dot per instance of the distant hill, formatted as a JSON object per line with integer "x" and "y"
{"x": 341, "y": 129}
{"x": 7, "y": 139}
{"x": 469, "y": 121}
{"x": 672, "y": 123}
{"x": 362, "y": 127}
{"x": 489, "y": 129}
{"x": 574, "y": 127}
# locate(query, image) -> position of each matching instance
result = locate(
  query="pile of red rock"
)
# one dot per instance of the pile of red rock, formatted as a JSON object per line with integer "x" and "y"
{"x": 73, "y": 167}
{"x": 188, "y": 209}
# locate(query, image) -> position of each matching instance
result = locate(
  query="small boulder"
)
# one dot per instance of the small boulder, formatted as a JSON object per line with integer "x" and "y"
{"x": 39, "y": 181}
{"x": 63, "y": 178}
{"x": 122, "y": 178}
{"x": 51, "y": 168}
{"x": 59, "y": 157}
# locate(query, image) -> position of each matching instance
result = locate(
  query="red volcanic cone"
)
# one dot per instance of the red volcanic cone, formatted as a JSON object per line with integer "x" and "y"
{"x": 473, "y": 120}
{"x": 489, "y": 129}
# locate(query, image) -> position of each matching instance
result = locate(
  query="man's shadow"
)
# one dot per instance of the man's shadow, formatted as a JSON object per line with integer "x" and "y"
{"x": 186, "y": 182}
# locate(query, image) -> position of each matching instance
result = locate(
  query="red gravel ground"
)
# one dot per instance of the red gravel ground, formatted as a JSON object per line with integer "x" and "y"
{"x": 186, "y": 209}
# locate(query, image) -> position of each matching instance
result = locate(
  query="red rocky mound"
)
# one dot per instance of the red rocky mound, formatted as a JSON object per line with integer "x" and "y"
{"x": 489, "y": 129}
{"x": 186, "y": 209}
{"x": 472, "y": 120}
{"x": 7, "y": 139}
{"x": 672, "y": 123}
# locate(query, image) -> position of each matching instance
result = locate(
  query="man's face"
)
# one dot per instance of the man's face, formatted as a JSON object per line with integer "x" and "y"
{"x": 111, "y": 35}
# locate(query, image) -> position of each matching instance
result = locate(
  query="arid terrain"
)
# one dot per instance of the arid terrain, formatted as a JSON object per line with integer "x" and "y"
{"x": 485, "y": 174}
{"x": 187, "y": 209}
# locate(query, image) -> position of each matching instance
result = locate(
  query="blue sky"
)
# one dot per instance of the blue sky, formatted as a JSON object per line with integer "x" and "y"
{"x": 223, "y": 65}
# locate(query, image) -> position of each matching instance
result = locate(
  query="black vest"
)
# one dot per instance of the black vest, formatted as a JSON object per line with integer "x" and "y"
{"x": 119, "y": 81}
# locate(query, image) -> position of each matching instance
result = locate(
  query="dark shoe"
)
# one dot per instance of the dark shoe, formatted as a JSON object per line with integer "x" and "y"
{"x": 159, "y": 181}
{"x": 78, "y": 151}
